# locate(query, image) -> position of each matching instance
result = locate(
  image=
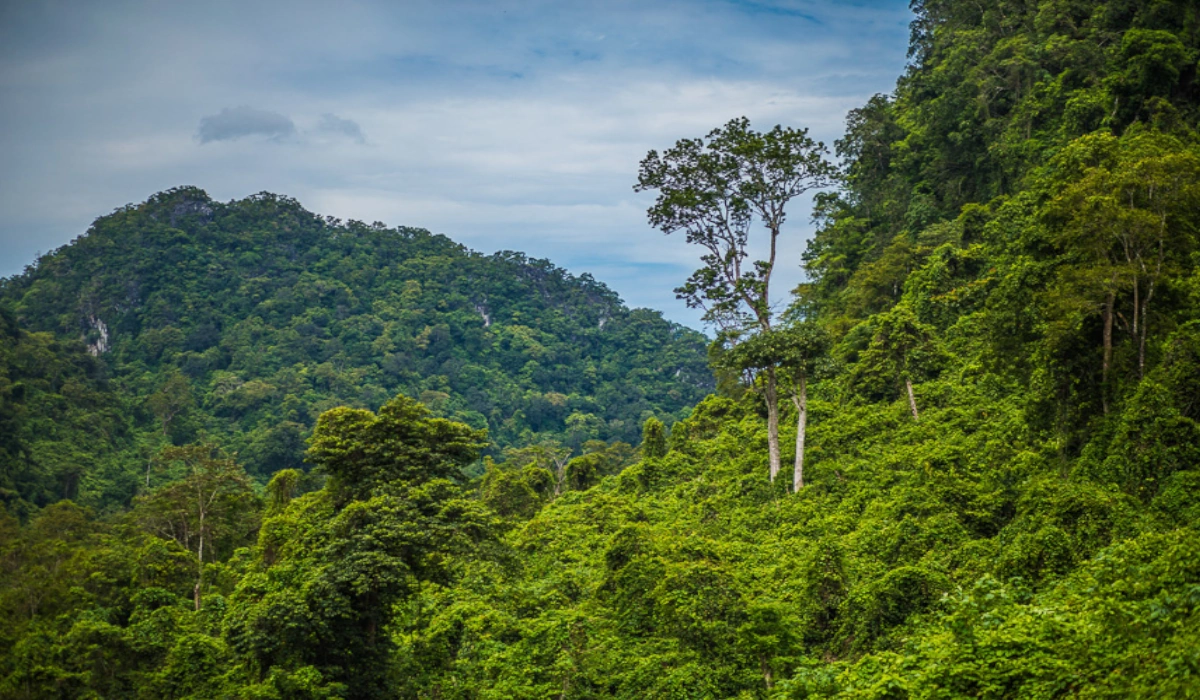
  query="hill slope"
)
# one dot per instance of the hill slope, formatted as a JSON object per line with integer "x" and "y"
{"x": 242, "y": 321}
{"x": 1018, "y": 239}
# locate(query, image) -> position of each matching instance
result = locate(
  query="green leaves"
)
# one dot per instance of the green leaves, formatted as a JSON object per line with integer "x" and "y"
{"x": 241, "y": 325}
{"x": 316, "y": 612}
{"x": 363, "y": 452}
{"x": 714, "y": 189}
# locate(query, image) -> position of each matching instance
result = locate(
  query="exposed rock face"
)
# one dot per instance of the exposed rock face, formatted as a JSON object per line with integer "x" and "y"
{"x": 483, "y": 312}
{"x": 188, "y": 207}
{"x": 97, "y": 337}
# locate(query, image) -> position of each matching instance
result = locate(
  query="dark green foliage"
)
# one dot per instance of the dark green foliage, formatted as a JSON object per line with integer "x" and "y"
{"x": 64, "y": 431}
{"x": 318, "y": 599}
{"x": 240, "y": 322}
{"x": 1015, "y": 250}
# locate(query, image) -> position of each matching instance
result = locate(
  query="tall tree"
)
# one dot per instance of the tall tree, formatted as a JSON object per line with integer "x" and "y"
{"x": 791, "y": 354}
{"x": 334, "y": 564}
{"x": 715, "y": 190}
{"x": 213, "y": 498}
{"x": 901, "y": 347}
{"x": 1123, "y": 219}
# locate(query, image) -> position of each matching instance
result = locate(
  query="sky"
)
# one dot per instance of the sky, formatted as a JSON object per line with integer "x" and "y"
{"x": 503, "y": 125}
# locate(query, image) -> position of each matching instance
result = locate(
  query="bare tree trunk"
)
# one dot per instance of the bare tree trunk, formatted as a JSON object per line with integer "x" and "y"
{"x": 766, "y": 672}
{"x": 912, "y": 400}
{"x": 560, "y": 474}
{"x": 772, "y": 396}
{"x": 1108, "y": 329}
{"x": 800, "y": 398}
{"x": 1145, "y": 326}
{"x": 1137, "y": 304}
{"x": 200, "y": 563}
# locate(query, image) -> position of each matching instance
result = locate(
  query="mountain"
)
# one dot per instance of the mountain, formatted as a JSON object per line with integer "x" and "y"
{"x": 61, "y": 422}
{"x": 240, "y": 322}
{"x": 1017, "y": 238}
{"x": 1002, "y": 486}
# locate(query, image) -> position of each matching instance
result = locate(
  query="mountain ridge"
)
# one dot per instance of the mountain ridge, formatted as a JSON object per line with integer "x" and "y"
{"x": 257, "y": 313}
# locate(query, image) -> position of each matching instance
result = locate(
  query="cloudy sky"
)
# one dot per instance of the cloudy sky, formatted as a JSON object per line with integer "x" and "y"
{"x": 504, "y": 125}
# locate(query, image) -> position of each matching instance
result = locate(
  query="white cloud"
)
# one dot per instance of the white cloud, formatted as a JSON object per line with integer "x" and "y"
{"x": 505, "y": 126}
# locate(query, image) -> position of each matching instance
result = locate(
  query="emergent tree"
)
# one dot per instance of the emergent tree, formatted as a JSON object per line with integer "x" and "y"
{"x": 715, "y": 190}
{"x": 792, "y": 353}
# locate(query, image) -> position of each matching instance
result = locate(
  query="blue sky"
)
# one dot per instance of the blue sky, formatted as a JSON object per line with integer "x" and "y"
{"x": 504, "y": 125}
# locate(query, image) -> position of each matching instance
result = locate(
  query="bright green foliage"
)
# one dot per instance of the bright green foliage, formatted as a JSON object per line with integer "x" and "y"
{"x": 362, "y": 451}
{"x": 795, "y": 351}
{"x": 946, "y": 557}
{"x": 901, "y": 350}
{"x": 654, "y": 439}
{"x": 1015, "y": 249}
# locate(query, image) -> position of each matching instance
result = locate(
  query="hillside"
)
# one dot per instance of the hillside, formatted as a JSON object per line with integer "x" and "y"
{"x": 240, "y": 322}
{"x": 1018, "y": 237}
{"x": 61, "y": 422}
{"x": 1003, "y": 446}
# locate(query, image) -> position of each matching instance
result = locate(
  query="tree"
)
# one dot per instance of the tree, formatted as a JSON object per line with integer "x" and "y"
{"x": 1123, "y": 219}
{"x": 791, "y": 353}
{"x": 548, "y": 454}
{"x": 362, "y": 451}
{"x": 803, "y": 348}
{"x": 714, "y": 190}
{"x": 654, "y": 439}
{"x": 334, "y": 564}
{"x": 214, "y": 498}
{"x": 900, "y": 347}
{"x": 172, "y": 402}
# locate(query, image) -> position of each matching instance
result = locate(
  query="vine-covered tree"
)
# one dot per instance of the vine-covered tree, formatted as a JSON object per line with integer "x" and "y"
{"x": 654, "y": 439}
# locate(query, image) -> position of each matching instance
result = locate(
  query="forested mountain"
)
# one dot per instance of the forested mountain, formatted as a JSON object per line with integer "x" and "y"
{"x": 240, "y": 322}
{"x": 60, "y": 420}
{"x": 1002, "y": 492}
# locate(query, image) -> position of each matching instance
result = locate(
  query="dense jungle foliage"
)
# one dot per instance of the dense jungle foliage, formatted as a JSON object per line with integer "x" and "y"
{"x": 240, "y": 323}
{"x": 1017, "y": 237}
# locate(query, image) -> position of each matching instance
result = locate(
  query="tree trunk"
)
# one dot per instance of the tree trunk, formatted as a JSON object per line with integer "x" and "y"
{"x": 800, "y": 398}
{"x": 1137, "y": 304}
{"x": 200, "y": 563}
{"x": 772, "y": 397}
{"x": 912, "y": 400}
{"x": 1108, "y": 329}
{"x": 1145, "y": 326}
